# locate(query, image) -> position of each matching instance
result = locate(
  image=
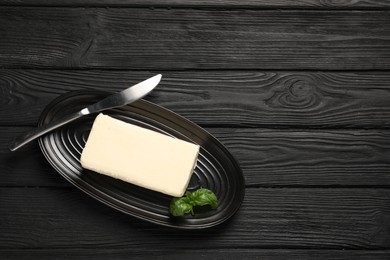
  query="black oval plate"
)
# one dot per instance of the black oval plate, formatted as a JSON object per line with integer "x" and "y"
{"x": 216, "y": 168}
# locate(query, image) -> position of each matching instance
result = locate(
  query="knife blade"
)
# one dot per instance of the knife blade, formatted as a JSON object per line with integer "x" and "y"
{"x": 122, "y": 98}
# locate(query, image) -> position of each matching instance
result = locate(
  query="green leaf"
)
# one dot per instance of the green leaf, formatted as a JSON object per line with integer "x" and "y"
{"x": 202, "y": 197}
{"x": 180, "y": 207}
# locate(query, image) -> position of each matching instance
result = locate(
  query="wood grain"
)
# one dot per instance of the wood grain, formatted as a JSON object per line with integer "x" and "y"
{"x": 27, "y": 166}
{"x": 288, "y": 158}
{"x": 269, "y": 218}
{"x": 188, "y": 253}
{"x": 218, "y": 98}
{"x": 298, "y": 91}
{"x": 312, "y": 4}
{"x": 268, "y": 158}
{"x": 177, "y": 39}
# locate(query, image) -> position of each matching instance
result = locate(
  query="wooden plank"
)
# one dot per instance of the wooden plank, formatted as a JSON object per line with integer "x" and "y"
{"x": 27, "y": 166}
{"x": 312, "y": 4}
{"x": 161, "y": 38}
{"x": 330, "y": 158}
{"x": 268, "y": 158}
{"x": 188, "y": 253}
{"x": 269, "y": 218}
{"x": 215, "y": 98}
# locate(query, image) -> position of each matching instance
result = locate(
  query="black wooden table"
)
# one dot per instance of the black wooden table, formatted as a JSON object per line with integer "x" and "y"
{"x": 298, "y": 91}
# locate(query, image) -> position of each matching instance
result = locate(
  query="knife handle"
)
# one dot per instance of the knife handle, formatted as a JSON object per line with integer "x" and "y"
{"x": 41, "y": 130}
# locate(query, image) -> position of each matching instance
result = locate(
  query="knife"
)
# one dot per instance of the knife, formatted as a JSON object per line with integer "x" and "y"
{"x": 125, "y": 97}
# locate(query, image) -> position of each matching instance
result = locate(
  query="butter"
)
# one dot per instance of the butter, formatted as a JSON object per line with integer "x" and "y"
{"x": 139, "y": 156}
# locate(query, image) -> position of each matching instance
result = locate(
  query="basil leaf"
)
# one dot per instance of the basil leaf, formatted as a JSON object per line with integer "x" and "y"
{"x": 202, "y": 197}
{"x": 180, "y": 206}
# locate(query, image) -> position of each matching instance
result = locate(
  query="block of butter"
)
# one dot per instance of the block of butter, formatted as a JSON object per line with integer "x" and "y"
{"x": 139, "y": 156}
